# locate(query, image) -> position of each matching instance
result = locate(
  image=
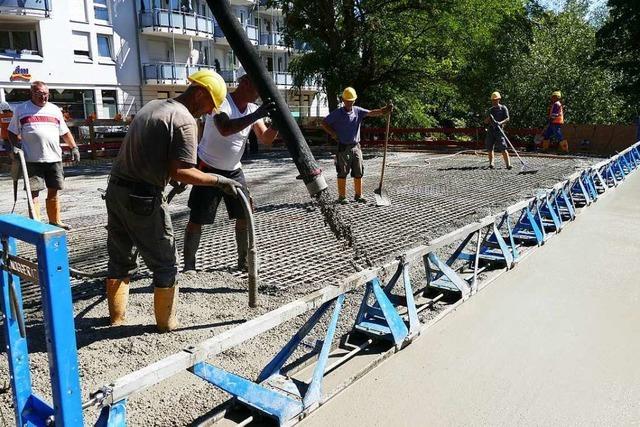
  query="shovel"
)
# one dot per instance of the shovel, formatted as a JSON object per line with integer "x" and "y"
{"x": 526, "y": 169}
{"x": 382, "y": 199}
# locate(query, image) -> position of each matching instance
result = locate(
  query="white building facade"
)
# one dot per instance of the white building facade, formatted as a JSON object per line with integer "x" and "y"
{"x": 112, "y": 56}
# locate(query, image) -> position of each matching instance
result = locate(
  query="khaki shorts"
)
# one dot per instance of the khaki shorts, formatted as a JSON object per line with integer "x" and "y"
{"x": 349, "y": 159}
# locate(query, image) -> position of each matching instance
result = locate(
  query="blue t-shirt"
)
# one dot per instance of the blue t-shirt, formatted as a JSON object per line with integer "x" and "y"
{"x": 346, "y": 124}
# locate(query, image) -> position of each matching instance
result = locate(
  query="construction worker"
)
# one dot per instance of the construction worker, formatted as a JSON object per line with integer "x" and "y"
{"x": 36, "y": 127}
{"x": 497, "y": 117}
{"x": 220, "y": 151}
{"x": 554, "y": 126}
{"x": 343, "y": 125}
{"x": 161, "y": 143}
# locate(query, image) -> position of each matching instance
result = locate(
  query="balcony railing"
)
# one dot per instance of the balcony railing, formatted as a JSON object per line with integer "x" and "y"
{"x": 252, "y": 32}
{"x": 271, "y": 39}
{"x": 185, "y": 21}
{"x": 37, "y": 8}
{"x": 171, "y": 71}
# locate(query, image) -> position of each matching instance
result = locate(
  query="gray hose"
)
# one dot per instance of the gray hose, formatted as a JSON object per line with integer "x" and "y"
{"x": 252, "y": 254}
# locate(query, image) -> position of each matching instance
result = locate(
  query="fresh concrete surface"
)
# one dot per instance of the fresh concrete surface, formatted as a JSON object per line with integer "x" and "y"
{"x": 556, "y": 341}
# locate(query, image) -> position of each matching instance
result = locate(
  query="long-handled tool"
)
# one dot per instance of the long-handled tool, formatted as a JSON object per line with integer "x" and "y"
{"x": 525, "y": 167}
{"x": 382, "y": 198}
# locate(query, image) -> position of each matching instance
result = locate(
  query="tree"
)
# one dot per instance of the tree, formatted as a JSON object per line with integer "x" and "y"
{"x": 619, "y": 49}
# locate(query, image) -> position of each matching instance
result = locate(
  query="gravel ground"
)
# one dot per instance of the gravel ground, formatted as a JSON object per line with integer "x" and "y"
{"x": 431, "y": 196}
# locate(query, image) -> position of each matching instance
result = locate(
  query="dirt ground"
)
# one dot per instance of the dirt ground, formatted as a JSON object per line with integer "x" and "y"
{"x": 431, "y": 195}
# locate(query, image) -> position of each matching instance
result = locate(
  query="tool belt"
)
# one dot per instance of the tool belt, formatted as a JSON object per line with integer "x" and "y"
{"x": 143, "y": 197}
{"x": 347, "y": 147}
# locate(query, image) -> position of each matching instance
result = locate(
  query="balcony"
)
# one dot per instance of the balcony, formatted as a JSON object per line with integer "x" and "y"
{"x": 252, "y": 33}
{"x": 169, "y": 73}
{"x": 272, "y": 40}
{"x": 25, "y": 10}
{"x": 182, "y": 25}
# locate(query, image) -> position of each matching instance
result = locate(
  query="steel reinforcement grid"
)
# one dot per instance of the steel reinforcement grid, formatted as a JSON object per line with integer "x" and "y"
{"x": 431, "y": 195}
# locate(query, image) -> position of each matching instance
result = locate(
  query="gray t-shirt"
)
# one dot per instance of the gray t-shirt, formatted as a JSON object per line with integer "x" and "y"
{"x": 161, "y": 131}
{"x": 499, "y": 113}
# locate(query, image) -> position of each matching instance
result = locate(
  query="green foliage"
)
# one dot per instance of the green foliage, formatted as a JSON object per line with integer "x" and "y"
{"x": 439, "y": 60}
{"x": 619, "y": 49}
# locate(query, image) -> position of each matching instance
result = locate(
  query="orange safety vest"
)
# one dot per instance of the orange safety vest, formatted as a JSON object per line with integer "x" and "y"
{"x": 559, "y": 119}
{"x": 5, "y": 119}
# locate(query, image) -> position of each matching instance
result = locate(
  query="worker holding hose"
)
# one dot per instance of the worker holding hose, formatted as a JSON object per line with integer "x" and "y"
{"x": 161, "y": 143}
{"x": 497, "y": 116}
{"x": 343, "y": 125}
{"x": 220, "y": 151}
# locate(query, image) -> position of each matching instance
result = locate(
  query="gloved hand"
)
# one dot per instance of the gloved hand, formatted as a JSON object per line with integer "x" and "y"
{"x": 75, "y": 154}
{"x": 227, "y": 185}
{"x": 266, "y": 109}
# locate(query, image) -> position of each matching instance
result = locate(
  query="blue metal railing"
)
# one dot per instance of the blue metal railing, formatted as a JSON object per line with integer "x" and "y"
{"x": 26, "y": 6}
{"x": 184, "y": 21}
{"x": 272, "y": 39}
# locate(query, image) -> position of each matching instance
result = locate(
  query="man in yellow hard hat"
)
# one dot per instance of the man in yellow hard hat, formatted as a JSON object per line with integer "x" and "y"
{"x": 161, "y": 143}
{"x": 343, "y": 125}
{"x": 220, "y": 151}
{"x": 497, "y": 117}
{"x": 554, "y": 126}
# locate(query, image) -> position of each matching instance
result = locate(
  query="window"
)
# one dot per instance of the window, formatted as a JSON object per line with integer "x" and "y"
{"x": 18, "y": 40}
{"x": 78, "y": 10}
{"x": 81, "y": 50}
{"x": 101, "y": 10}
{"x": 109, "y": 103}
{"x": 104, "y": 46}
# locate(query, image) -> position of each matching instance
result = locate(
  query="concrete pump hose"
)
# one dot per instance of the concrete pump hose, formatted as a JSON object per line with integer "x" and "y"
{"x": 252, "y": 255}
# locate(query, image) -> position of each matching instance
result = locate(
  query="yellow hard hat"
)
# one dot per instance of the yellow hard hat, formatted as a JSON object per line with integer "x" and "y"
{"x": 349, "y": 94}
{"x": 214, "y": 84}
{"x": 557, "y": 93}
{"x": 495, "y": 95}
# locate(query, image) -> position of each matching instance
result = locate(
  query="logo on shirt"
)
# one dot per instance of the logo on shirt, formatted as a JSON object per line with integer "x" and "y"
{"x": 20, "y": 75}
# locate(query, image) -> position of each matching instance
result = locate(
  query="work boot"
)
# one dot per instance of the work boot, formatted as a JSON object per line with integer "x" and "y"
{"x": 53, "y": 212}
{"x": 357, "y": 187}
{"x": 165, "y": 301}
{"x": 342, "y": 188}
{"x": 242, "y": 243}
{"x": 509, "y": 167}
{"x": 358, "y": 198}
{"x": 564, "y": 146}
{"x": 36, "y": 211}
{"x": 343, "y": 200}
{"x": 545, "y": 145}
{"x": 191, "y": 244}
{"x": 117, "y": 298}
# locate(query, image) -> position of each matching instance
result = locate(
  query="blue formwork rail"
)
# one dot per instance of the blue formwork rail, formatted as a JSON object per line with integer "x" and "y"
{"x": 51, "y": 273}
{"x": 388, "y": 310}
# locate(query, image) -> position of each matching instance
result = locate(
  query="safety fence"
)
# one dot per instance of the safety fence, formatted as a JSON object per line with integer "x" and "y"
{"x": 388, "y": 311}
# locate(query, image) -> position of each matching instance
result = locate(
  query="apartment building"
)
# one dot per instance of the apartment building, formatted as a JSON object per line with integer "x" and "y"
{"x": 178, "y": 37}
{"x": 112, "y": 56}
{"x": 85, "y": 50}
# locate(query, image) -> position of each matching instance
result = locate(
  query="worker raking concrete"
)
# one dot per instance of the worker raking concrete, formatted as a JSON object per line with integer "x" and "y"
{"x": 36, "y": 127}
{"x": 343, "y": 125}
{"x": 554, "y": 126}
{"x": 498, "y": 115}
{"x": 220, "y": 151}
{"x": 161, "y": 143}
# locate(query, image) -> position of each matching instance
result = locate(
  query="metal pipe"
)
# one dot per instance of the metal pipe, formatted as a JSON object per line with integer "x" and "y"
{"x": 262, "y": 80}
{"x": 27, "y": 186}
{"x": 252, "y": 253}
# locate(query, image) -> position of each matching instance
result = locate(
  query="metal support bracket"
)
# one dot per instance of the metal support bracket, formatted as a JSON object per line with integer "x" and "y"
{"x": 528, "y": 228}
{"x": 273, "y": 393}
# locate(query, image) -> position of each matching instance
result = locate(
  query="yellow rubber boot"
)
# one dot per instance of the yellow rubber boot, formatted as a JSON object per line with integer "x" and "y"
{"x": 165, "y": 301}
{"x": 117, "y": 297}
{"x": 545, "y": 145}
{"x": 36, "y": 211}
{"x": 564, "y": 146}
{"x": 342, "y": 190}
{"x": 53, "y": 212}
{"x": 357, "y": 186}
